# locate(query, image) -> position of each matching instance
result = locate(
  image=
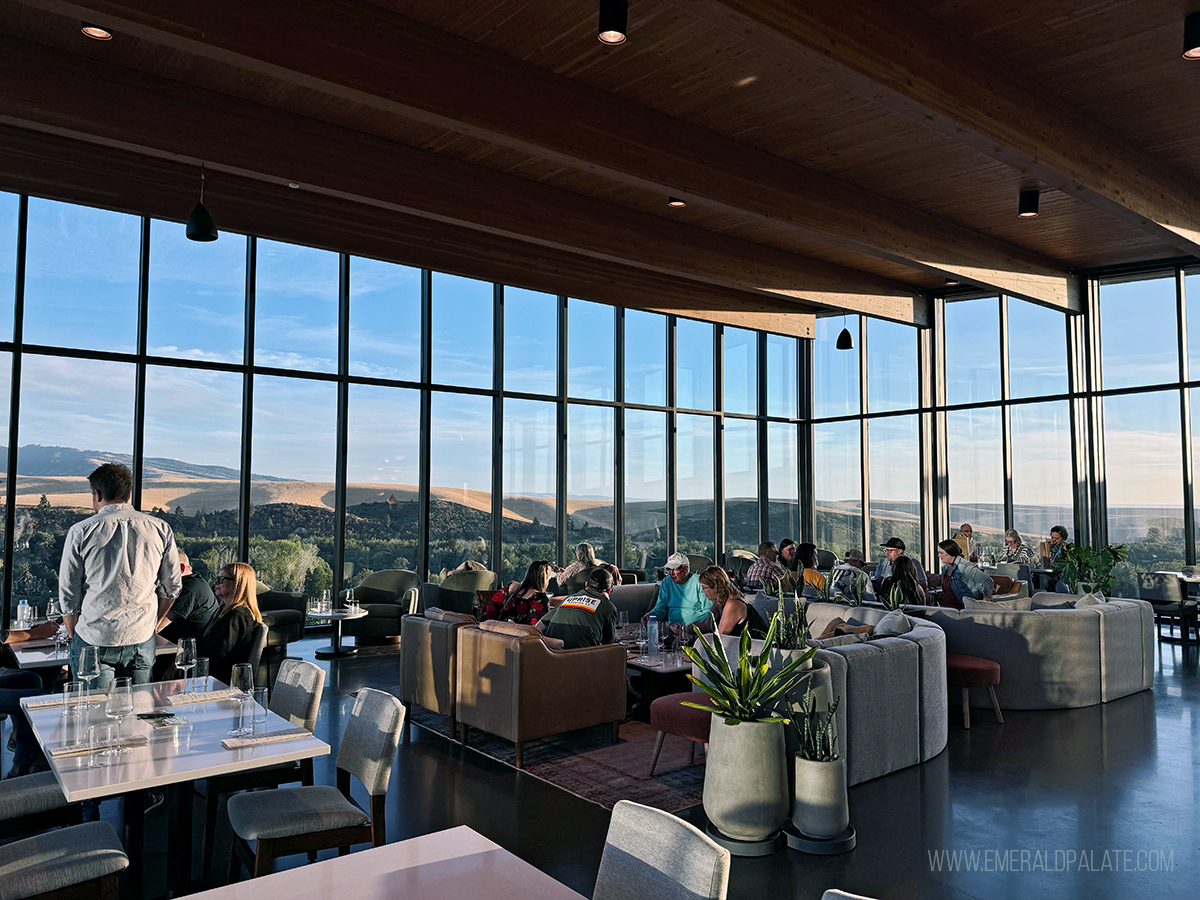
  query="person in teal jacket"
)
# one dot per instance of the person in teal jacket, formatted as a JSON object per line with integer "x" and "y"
{"x": 681, "y": 600}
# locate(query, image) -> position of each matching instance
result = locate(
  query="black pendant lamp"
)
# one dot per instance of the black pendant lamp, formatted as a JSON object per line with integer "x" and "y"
{"x": 1191, "y": 36}
{"x": 1027, "y": 204}
{"x": 845, "y": 340}
{"x": 614, "y": 21}
{"x": 200, "y": 224}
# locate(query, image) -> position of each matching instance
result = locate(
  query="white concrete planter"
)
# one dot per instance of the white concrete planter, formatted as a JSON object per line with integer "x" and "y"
{"x": 820, "y": 807}
{"x": 745, "y": 779}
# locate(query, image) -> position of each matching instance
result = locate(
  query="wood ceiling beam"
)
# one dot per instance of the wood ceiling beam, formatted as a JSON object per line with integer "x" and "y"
{"x": 905, "y": 59}
{"x": 371, "y": 56}
{"x": 62, "y": 168}
{"x": 67, "y": 94}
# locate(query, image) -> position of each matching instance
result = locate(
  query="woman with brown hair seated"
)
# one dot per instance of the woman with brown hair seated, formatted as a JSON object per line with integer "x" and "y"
{"x": 732, "y": 614}
{"x": 524, "y": 602}
{"x": 229, "y": 636}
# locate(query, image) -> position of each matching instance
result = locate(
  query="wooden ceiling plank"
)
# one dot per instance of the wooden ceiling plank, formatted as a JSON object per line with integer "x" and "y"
{"x": 62, "y": 168}
{"x": 908, "y": 61}
{"x": 70, "y": 95}
{"x": 371, "y": 56}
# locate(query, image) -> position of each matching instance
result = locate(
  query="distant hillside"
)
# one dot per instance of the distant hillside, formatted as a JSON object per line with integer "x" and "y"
{"x": 37, "y": 461}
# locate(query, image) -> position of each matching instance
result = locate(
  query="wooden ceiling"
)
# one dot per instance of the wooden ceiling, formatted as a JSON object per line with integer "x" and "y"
{"x": 834, "y": 154}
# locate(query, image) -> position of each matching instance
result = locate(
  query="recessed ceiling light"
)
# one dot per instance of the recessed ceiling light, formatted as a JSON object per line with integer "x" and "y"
{"x": 95, "y": 32}
{"x": 952, "y": 282}
{"x": 676, "y": 203}
{"x": 293, "y": 185}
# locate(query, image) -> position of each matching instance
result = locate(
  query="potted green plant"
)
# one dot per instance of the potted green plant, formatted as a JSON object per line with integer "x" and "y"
{"x": 820, "y": 804}
{"x": 1087, "y": 570}
{"x": 745, "y": 779}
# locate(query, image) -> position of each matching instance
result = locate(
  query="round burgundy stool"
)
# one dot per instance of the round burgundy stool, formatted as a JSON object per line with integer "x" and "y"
{"x": 670, "y": 716}
{"x": 968, "y": 672}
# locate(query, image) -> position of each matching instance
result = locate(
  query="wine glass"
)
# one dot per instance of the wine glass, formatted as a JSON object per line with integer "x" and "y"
{"x": 89, "y": 671}
{"x": 120, "y": 705}
{"x": 185, "y": 658}
{"x": 241, "y": 687}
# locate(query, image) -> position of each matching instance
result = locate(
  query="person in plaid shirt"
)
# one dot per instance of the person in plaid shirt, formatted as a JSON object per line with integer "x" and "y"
{"x": 765, "y": 569}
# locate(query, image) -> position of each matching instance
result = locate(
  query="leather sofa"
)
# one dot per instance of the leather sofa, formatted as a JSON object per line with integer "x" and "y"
{"x": 516, "y": 687}
{"x": 387, "y": 596}
{"x": 284, "y": 614}
{"x": 429, "y": 662}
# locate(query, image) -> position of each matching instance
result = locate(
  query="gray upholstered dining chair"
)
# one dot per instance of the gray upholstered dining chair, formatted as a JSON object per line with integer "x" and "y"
{"x": 67, "y": 864}
{"x": 318, "y": 817}
{"x": 651, "y": 853}
{"x": 295, "y": 697}
{"x": 30, "y": 803}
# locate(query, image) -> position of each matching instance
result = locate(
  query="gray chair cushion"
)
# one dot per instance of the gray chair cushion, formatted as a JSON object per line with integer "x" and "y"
{"x": 59, "y": 859}
{"x": 288, "y": 811}
{"x": 30, "y": 794}
{"x": 650, "y": 853}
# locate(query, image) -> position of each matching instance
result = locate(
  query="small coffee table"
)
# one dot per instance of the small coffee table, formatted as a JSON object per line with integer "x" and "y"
{"x": 659, "y": 677}
{"x": 337, "y": 617}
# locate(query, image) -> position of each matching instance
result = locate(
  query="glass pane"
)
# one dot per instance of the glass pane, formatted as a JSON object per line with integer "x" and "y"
{"x": 1191, "y": 293}
{"x": 295, "y": 307}
{"x": 591, "y": 350}
{"x": 741, "y": 371}
{"x": 741, "y": 485}
{"x": 892, "y": 381}
{"x": 81, "y": 277}
{"x": 976, "y": 470}
{"x": 75, "y": 414}
{"x": 645, "y": 358}
{"x": 645, "y": 489}
{"x": 694, "y": 485}
{"x": 1037, "y": 350}
{"x": 1138, "y": 330}
{"x": 530, "y": 525}
{"x": 193, "y": 460}
{"x": 590, "y": 514}
{"x": 383, "y": 512}
{"x": 385, "y": 320}
{"x": 694, "y": 376}
{"x": 1144, "y": 477}
{"x": 835, "y": 372}
{"x": 291, "y": 485}
{"x": 530, "y": 342}
{"x": 197, "y": 296}
{"x": 462, "y": 331}
{"x": 782, "y": 487}
{"x": 1042, "y": 479}
{"x": 837, "y": 477}
{"x": 973, "y": 351}
{"x": 1195, "y": 403}
{"x": 781, "y": 376}
{"x": 9, "y": 211}
{"x": 894, "y": 452}
{"x": 5, "y": 391}
{"x": 460, "y": 478}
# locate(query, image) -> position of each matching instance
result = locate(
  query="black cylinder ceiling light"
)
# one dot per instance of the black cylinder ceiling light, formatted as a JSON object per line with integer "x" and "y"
{"x": 614, "y": 21}
{"x": 845, "y": 340}
{"x": 200, "y": 224}
{"x": 1191, "y": 36}
{"x": 1027, "y": 204}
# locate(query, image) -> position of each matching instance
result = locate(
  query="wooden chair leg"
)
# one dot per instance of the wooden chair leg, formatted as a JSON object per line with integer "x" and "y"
{"x": 658, "y": 742}
{"x": 312, "y": 856}
{"x": 378, "y": 821}
{"x": 616, "y": 729}
{"x": 109, "y": 887}
{"x": 264, "y": 858}
{"x": 462, "y": 734}
{"x": 306, "y": 772}
{"x": 520, "y": 746}
{"x": 966, "y": 704}
{"x": 453, "y": 726}
{"x": 343, "y": 851}
{"x": 995, "y": 704}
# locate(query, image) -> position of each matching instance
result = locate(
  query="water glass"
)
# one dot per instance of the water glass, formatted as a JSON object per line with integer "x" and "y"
{"x": 72, "y": 698}
{"x": 201, "y": 674}
{"x": 623, "y": 619}
{"x": 119, "y": 706}
{"x": 241, "y": 688}
{"x": 260, "y": 707}
{"x": 100, "y": 743}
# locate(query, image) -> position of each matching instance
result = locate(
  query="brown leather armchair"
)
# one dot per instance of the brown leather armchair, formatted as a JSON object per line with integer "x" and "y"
{"x": 429, "y": 661}
{"x": 516, "y": 687}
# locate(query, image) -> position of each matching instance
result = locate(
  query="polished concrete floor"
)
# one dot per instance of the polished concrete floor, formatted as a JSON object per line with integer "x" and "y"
{"x": 1098, "y": 803}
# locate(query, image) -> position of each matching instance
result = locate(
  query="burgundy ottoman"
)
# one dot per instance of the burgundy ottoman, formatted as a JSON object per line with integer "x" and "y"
{"x": 968, "y": 672}
{"x": 670, "y": 716}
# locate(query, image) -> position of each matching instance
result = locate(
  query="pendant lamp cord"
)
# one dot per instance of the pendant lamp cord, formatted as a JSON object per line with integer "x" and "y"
{"x": 201, "y": 182}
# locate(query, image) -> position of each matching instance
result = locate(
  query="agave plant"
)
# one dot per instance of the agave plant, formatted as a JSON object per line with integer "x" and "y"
{"x": 793, "y": 627}
{"x": 747, "y": 691}
{"x": 893, "y": 599}
{"x": 817, "y": 740}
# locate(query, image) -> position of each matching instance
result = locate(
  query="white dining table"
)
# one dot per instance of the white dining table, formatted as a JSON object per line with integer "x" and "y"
{"x": 173, "y": 758}
{"x": 42, "y": 655}
{"x": 453, "y": 864}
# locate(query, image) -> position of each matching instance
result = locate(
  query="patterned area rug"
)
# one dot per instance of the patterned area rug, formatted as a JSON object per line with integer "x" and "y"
{"x": 589, "y": 765}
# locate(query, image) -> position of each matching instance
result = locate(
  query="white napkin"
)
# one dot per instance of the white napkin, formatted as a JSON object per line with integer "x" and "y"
{"x": 200, "y": 697}
{"x": 64, "y": 750}
{"x": 57, "y": 700}
{"x": 271, "y": 737}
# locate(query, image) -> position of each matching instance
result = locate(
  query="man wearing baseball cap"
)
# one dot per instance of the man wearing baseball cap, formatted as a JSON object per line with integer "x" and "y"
{"x": 893, "y": 550}
{"x": 681, "y": 601}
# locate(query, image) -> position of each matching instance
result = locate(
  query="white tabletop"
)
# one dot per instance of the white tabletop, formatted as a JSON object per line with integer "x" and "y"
{"x": 445, "y": 865}
{"x": 340, "y": 615}
{"x": 164, "y": 761}
{"x": 44, "y": 657}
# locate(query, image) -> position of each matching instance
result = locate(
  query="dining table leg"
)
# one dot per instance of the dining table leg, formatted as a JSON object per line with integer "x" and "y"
{"x": 134, "y": 815}
{"x": 180, "y": 813}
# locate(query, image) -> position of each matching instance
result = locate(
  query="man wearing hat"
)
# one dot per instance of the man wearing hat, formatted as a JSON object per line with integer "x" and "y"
{"x": 584, "y": 620}
{"x": 680, "y": 598}
{"x": 892, "y": 551}
{"x": 847, "y": 577}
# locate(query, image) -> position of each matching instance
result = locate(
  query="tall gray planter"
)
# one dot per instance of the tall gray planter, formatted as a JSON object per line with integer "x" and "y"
{"x": 820, "y": 806}
{"x": 745, "y": 780}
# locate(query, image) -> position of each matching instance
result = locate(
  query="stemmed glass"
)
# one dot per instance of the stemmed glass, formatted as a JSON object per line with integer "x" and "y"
{"x": 241, "y": 688}
{"x": 120, "y": 705}
{"x": 185, "y": 659}
{"x": 89, "y": 671}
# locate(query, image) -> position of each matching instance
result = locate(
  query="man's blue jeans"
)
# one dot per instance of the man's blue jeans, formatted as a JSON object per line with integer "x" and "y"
{"x": 130, "y": 661}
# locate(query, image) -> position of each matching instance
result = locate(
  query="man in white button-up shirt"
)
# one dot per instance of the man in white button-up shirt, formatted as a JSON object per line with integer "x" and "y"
{"x": 111, "y": 564}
